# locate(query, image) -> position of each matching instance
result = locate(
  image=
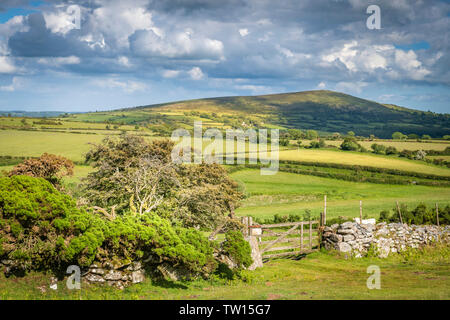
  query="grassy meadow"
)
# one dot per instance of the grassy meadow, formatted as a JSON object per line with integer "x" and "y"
{"x": 290, "y": 193}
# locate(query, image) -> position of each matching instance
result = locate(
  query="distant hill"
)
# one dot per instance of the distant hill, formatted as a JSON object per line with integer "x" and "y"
{"x": 33, "y": 114}
{"x": 322, "y": 110}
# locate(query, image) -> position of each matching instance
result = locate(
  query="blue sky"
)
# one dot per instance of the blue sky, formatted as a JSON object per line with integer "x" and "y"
{"x": 139, "y": 52}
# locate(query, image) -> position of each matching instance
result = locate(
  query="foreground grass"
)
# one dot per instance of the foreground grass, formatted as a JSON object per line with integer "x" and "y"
{"x": 290, "y": 193}
{"x": 417, "y": 274}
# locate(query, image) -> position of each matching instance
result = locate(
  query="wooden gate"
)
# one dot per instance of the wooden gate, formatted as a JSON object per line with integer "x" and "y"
{"x": 285, "y": 239}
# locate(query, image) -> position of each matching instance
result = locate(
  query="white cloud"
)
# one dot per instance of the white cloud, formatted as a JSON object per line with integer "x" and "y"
{"x": 351, "y": 87}
{"x": 243, "y": 32}
{"x": 15, "y": 84}
{"x": 359, "y": 58}
{"x": 409, "y": 63}
{"x": 255, "y": 89}
{"x": 127, "y": 86}
{"x": 183, "y": 44}
{"x": 124, "y": 61}
{"x": 59, "y": 61}
{"x": 196, "y": 73}
{"x": 6, "y": 65}
{"x": 293, "y": 57}
{"x": 321, "y": 85}
{"x": 119, "y": 20}
{"x": 170, "y": 73}
{"x": 63, "y": 19}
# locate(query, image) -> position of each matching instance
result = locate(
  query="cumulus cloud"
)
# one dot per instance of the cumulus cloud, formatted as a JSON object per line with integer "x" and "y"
{"x": 196, "y": 73}
{"x": 6, "y": 65}
{"x": 408, "y": 62}
{"x": 181, "y": 44}
{"x": 243, "y": 32}
{"x": 356, "y": 58}
{"x": 321, "y": 85}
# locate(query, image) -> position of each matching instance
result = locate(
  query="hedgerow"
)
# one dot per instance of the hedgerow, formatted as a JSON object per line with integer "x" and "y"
{"x": 419, "y": 215}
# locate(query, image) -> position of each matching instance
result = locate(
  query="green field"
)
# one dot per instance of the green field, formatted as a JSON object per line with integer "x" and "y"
{"x": 399, "y": 145}
{"x": 362, "y": 159}
{"x": 420, "y": 274}
{"x": 289, "y": 193}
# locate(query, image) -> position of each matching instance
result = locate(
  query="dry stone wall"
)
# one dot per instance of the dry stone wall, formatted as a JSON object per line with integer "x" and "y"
{"x": 356, "y": 239}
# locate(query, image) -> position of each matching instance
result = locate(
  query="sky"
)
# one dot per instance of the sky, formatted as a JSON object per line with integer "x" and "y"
{"x": 93, "y": 55}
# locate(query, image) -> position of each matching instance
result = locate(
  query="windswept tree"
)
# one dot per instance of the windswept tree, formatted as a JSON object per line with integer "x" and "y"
{"x": 137, "y": 177}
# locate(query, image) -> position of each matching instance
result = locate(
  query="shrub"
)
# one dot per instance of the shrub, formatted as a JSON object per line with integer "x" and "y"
{"x": 49, "y": 166}
{"x": 237, "y": 248}
{"x": 391, "y": 150}
{"x": 42, "y": 229}
{"x": 378, "y": 148}
{"x": 350, "y": 144}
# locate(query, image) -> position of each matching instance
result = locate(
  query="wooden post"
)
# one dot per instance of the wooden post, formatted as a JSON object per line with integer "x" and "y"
{"x": 245, "y": 223}
{"x": 324, "y": 209}
{"x": 301, "y": 238}
{"x": 399, "y": 213}
{"x": 310, "y": 235}
{"x": 437, "y": 214}
{"x": 360, "y": 211}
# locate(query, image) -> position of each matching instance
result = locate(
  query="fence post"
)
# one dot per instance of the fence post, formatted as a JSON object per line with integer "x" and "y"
{"x": 301, "y": 238}
{"x": 437, "y": 214}
{"x": 324, "y": 209}
{"x": 399, "y": 213}
{"x": 244, "y": 221}
{"x": 360, "y": 211}
{"x": 310, "y": 235}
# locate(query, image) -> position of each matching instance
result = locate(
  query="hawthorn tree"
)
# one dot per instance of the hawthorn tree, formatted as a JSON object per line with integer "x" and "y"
{"x": 48, "y": 166}
{"x": 134, "y": 176}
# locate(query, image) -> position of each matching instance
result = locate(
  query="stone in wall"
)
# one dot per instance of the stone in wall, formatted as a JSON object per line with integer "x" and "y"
{"x": 355, "y": 238}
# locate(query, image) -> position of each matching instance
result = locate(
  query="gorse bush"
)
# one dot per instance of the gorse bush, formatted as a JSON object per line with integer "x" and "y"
{"x": 42, "y": 229}
{"x": 237, "y": 248}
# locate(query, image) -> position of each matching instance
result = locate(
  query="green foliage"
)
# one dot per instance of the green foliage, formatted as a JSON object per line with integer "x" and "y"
{"x": 419, "y": 216}
{"x": 391, "y": 150}
{"x": 311, "y": 134}
{"x": 141, "y": 177}
{"x": 237, "y": 248}
{"x": 350, "y": 144}
{"x": 399, "y": 136}
{"x": 42, "y": 229}
{"x": 317, "y": 144}
{"x": 378, "y": 148}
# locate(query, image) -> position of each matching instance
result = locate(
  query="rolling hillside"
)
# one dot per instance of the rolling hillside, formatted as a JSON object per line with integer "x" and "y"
{"x": 322, "y": 110}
